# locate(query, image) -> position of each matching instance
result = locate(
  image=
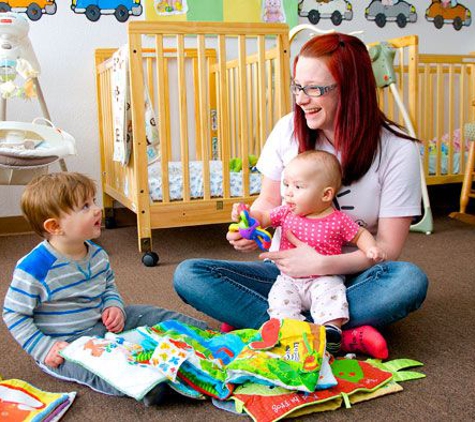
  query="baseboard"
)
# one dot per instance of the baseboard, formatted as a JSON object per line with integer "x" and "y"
{"x": 14, "y": 225}
{"x": 18, "y": 224}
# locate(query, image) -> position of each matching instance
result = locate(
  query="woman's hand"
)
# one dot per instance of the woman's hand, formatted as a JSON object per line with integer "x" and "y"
{"x": 301, "y": 261}
{"x": 239, "y": 243}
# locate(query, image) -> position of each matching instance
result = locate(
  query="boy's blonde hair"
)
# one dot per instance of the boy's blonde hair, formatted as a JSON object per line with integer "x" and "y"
{"x": 326, "y": 162}
{"x": 53, "y": 195}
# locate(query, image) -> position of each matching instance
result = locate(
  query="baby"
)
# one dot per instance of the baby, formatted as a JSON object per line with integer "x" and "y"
{"x": 311, "y": 181}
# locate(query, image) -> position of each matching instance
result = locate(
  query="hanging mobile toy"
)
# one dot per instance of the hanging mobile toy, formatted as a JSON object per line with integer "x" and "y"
{"x": 249, "y": 228}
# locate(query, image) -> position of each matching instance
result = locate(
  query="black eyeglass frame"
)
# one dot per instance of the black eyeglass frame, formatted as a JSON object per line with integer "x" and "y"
{"x": 296, "y": 88}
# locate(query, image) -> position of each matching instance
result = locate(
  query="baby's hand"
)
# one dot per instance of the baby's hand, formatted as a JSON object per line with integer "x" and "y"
{"x": 113, "y": 319}
{"x": 235, "y": 213}
{"x": 53, "y": 358}
{"x": 376, "y": 254}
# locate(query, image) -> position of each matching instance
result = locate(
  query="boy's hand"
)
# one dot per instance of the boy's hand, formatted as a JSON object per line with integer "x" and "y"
{"x": 53, "y": 358}
{"x": 376, "y": 254}
{"x": 113, "y": 319}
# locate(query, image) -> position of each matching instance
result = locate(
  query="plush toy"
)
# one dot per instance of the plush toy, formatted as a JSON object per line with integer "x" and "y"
{"x": 235, "y": 164}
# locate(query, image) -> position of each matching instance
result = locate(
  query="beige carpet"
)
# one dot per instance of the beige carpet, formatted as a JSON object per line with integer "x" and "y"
{"x": 441, "y": 334}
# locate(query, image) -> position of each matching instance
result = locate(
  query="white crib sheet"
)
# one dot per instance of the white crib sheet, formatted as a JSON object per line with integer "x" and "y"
{"x": 196, "y": 180}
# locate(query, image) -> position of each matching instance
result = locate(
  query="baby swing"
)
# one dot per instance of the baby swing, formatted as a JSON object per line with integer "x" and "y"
{"x": 26, "y": 149}
{"x": 382, "y": 57}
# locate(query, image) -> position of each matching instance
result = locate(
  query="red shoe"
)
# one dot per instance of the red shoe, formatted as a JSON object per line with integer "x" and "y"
{"x": 366, "y": 340}
{"x": 226, "y": 328}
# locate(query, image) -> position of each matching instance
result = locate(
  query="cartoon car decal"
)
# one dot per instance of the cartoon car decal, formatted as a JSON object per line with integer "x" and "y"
{"x": 121, "y": 9}
{"x": 442, "y": 12}
{"x": 336, "y": 10}
{"x": 399, "y": 11}
{"x": 33, "y": 9}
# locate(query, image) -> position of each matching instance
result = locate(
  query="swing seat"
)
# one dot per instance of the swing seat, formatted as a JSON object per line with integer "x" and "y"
{"x": 28, "y": 149}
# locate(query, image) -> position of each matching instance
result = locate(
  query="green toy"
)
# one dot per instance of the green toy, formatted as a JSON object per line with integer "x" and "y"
{"x": 235, "y": 164}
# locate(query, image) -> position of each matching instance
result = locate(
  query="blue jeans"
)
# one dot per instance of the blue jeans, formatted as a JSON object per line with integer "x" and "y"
{"x": 236, "y": 292}
{"x": 137, "y": 316}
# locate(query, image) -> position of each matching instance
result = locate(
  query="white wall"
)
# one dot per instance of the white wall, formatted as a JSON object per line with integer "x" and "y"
{"x": 65, "y": 43}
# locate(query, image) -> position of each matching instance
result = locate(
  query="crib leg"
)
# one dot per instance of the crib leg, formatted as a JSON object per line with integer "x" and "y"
{"x": 149, "y": 258}
{"x": 109, "y": 218}
{"x": 467, "y": 191}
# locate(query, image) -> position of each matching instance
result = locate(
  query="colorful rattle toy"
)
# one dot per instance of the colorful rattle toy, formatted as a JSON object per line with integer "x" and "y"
{"x": 249, "y": 228}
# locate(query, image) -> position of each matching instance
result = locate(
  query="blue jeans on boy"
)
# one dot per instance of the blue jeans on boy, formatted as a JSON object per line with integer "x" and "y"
{"x": 137, "y": 316}
{"x": 236, "y": 292}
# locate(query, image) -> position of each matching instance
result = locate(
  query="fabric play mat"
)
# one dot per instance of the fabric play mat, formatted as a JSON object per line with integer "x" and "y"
{"x": 280, "y": 370}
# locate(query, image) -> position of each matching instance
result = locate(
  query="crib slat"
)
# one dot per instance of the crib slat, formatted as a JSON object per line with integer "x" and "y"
{"x": 183, "y": 116}
{"x": 269, "y": 98}
{"x": 464, "y": 91}
{"x": 261, "y": 93}
{"x": 224, "y": 123}
{"x": 243, "y": 124}
{"x": 204, "y": 116}
{"x": 450, "y": 112}
{"x": 439, "y": 116}
{"x": 162, "y": 127}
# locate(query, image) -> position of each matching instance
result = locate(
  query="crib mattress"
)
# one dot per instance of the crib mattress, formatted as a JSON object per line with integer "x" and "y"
{"x": 175, "y": 176}
{"x": 444, "y": 163}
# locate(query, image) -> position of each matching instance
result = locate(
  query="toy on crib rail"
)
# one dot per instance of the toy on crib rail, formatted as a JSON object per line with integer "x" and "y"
{"x": 249, "y": 228}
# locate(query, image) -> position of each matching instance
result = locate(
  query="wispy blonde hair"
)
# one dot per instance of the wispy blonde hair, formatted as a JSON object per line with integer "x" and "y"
{"x": 327, "y": 163}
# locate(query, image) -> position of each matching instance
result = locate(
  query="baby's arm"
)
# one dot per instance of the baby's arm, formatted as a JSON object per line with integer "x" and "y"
{"x": 263, "y": 217}
{"x": 367, "y": 243}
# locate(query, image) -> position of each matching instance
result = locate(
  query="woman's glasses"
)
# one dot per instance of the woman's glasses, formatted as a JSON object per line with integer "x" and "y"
{"x": 311, "y": 90}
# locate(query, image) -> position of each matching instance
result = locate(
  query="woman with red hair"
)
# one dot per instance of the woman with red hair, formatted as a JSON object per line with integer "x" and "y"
{"x": 335, "y": 110}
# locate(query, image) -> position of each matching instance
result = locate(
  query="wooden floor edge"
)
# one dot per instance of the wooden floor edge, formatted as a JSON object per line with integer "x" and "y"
{"x": 466, "y": 218}
{"x": 14, "y": 225}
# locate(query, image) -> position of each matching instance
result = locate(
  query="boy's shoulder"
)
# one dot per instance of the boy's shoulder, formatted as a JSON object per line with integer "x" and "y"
{"x": 38, "y": 261}
{"x": 95, "y": 249}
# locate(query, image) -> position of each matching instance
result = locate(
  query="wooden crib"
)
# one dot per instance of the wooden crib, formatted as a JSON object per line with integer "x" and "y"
{"x": 437, "y": 91}
{"x": 217, "y": 90}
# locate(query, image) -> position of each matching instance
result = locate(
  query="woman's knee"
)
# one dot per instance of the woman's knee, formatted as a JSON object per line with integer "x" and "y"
{"x": 185, "y": 277}
{"x": 415, "y": 281}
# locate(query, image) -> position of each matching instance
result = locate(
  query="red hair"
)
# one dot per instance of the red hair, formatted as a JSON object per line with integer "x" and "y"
{"x": 358, "y": 120}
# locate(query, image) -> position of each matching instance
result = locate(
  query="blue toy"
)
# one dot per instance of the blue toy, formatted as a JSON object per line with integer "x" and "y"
{"x": 250, "y": 228}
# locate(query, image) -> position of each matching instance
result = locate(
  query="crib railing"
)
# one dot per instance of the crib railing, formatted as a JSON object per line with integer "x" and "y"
{"x": 436, "y": 90}
{"x": 446, "y": 89}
